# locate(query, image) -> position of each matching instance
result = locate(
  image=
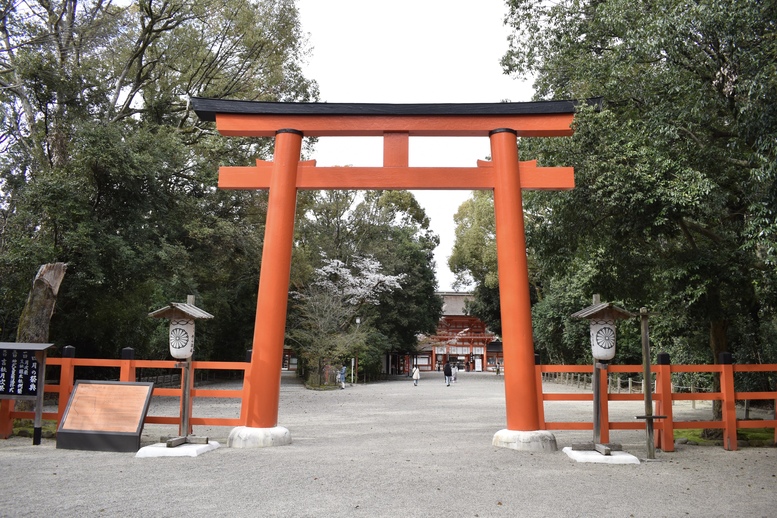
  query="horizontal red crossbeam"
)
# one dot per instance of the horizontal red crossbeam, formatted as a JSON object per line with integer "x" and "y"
{"x": 481, "y": 177}
{"x": 539, "y": 125}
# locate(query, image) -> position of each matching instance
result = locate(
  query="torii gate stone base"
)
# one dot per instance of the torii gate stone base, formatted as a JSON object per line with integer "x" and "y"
{"x": 501, "y": 123}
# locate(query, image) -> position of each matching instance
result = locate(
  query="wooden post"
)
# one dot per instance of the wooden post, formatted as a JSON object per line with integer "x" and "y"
{"x": 540, "y": 398}
{"x": 601, "y": 398}
{"x": 646, "y": 375}
{"x": 66, "y": 377}
{"x": 185, "y": 426}
{"x": 665, "y": 436}
{"x": 520, "y": 386}
{"x": 597, "y": 403}
{"x": 729, "y": 403}
{"x": 264, "y": 380}
{"x": 6, "y": 422}
{"x": 127, "y": 371}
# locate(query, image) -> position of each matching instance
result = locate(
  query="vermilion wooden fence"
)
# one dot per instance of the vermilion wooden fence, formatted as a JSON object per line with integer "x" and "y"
{"x": 662, "y": 397}
{"x": 127, "y": 372}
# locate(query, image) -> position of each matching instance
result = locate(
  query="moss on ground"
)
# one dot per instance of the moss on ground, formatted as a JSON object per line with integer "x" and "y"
{"x": 755, "y": 437}
{"x": 25, "y": 428}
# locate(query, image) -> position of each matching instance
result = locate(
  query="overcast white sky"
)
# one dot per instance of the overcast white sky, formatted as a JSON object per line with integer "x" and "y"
{"x": 411, "y": 51}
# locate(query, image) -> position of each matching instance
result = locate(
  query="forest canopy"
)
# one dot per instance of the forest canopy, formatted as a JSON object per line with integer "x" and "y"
{"x": 105, "y": 167}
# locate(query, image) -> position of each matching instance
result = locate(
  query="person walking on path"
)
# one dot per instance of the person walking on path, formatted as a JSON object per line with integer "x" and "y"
{"x": 416, "y": 375}
{"x": 455, "y": 372}
{"x": 448, "y": 373}
{"x": 342, "y": 376}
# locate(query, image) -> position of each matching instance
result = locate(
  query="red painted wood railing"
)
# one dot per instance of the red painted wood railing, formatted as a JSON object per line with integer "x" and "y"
{"x": 662, "y": 399}
{"x": 127, "y": 372}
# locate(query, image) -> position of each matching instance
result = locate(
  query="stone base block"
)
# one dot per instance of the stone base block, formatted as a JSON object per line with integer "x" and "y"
{"x": 616, "y": 457}
{"x": 246, "y": 437}
{"x": 161, "y": 449}
{"x": 540, "y": 440}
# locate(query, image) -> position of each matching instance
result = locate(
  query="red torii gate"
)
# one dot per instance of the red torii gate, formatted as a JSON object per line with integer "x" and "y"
{"x": 502, "y": 123}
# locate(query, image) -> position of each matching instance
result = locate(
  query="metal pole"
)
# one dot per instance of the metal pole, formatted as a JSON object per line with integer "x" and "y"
{"x": 647, "y": 383}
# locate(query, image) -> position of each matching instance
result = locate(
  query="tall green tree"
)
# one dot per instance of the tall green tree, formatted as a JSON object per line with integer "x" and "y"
{"x": 104, "y": 166}
{"x": 675, "y": 199}
{"x": 391, "y": 228}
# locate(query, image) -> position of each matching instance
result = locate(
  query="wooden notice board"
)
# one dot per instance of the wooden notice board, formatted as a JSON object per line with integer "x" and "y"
{"x": 105, "y": 416}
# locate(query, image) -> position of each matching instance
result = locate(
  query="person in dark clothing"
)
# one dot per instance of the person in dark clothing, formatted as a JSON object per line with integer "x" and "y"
{"x": 448, "y": 371}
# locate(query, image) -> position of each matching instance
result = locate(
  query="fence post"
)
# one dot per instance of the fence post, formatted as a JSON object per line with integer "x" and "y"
{"x": 729, "y": 402}
{"x": 127, "y": 372}
{"x": 665, "y": 435}
{"x": 604, "y": 408}
{"x": 540, "y": 393}
{"x": 246, "y": 377}
{"x": 6, "y": 423}
{"x": 66, "y": 376}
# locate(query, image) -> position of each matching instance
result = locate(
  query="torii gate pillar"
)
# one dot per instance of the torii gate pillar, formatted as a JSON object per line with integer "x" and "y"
{"x": 263, "y": 381}
{"x": 523, "y": 420}
{"x": 505, "y": 174}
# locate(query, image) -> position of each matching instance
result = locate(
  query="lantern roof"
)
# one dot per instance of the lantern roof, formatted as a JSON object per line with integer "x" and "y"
{"x": 180, "y": 310}
{"x": 602, "y": 310}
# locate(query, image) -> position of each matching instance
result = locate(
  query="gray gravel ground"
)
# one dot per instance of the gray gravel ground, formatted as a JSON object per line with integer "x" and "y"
{"x": 389, "y": 449}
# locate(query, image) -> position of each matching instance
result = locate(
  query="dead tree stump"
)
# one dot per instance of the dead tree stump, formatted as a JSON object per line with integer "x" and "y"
{"x": 36, "y": 315}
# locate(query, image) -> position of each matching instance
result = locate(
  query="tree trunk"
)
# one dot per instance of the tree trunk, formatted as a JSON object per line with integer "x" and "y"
{"x": 36, "y": 315}
{"x": 718, "y": 344}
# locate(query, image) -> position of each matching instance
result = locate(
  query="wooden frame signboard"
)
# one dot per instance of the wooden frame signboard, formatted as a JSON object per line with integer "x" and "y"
{"x": 105, "y": 416}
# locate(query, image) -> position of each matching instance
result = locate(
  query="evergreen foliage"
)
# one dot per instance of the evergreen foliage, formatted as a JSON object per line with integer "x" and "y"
{"x": 104, "y": 166}
{"x": 675, "y": 199}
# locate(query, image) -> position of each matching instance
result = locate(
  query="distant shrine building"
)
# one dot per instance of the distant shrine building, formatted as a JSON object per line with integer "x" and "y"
{"x": 460, "y": 338}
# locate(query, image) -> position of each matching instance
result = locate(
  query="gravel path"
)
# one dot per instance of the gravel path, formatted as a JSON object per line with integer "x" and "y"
{"x": 389, "y": 449}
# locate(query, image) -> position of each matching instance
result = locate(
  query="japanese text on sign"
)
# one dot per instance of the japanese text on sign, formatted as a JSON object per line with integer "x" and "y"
{"x": 18, "y": 373}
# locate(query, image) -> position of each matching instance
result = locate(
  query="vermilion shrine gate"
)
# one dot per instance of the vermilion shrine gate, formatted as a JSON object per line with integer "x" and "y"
{"x": 502, "y": 123}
